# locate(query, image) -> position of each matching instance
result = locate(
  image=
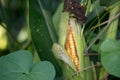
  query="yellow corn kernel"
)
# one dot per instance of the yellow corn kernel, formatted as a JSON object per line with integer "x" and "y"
{"x": 70, "y": 46}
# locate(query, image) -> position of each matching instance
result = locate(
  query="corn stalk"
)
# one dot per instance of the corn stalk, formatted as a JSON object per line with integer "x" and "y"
{"x": 112, "y": 30}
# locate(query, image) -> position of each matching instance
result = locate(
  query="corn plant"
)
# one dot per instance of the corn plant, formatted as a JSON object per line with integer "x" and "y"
{"x": 79, "y": 38}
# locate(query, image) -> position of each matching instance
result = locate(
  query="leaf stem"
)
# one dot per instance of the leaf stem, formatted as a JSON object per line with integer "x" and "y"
{"x": 84, "y": 69}
{"x": 104, "y": 29}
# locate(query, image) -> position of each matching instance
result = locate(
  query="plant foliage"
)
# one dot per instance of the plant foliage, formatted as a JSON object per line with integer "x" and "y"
{"x": 19, "y": 66}
{"x": 110, "y": 56}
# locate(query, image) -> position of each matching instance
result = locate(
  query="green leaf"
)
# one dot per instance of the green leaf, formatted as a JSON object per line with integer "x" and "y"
{"x": 110, "y": 56}
{"x": 108, "y": 2}
{"x": 19, "y": 66}
{"x": 110, "y": 45}
{"x": 56, "y": 17}
{"x": 111, "y": 63}
{"x": 93, "y": 11}
{"x": 42, "y": 30}
{"x": 43, "y": 71}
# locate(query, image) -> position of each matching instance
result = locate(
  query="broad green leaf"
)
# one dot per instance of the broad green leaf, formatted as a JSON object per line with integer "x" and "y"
{"x": 110, "y": 56}
{"x": 111, "y": 62}
{"x": 43, "y": 71}
{"x": 42, "y": 30}
{"x": 20, "y": 61}
{"x": 110, "y": 45}
{"x": 19, "y": 66}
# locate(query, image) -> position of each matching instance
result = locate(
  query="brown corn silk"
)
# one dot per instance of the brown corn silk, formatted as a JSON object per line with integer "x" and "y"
{"x": 70, "y": 46}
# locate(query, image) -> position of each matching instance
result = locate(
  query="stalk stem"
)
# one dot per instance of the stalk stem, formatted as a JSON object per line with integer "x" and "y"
{"x": 104, "y": 29}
